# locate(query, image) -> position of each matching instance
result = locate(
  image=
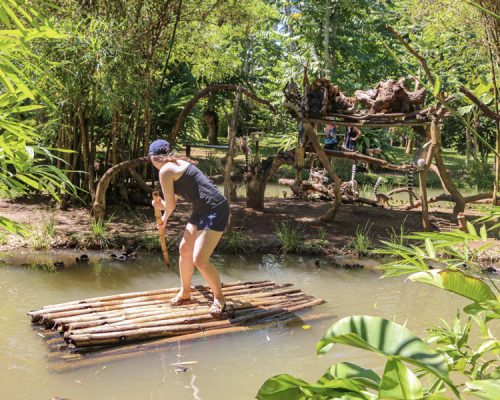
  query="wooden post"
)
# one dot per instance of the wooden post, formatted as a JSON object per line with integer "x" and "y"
{"x": 422, "y": 177}
{"x": 299, "y": 163}
{"x": 231, "y": 151}
{"x": 188, "y": 150}
{"x": 311, "y": 134}
{"x": 163, "y": 244}
{"x": 445, "y": 178}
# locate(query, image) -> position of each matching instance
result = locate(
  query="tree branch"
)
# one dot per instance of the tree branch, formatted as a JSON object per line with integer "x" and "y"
{"x": 205, "y": 92}
{"x": 483, "y": 107}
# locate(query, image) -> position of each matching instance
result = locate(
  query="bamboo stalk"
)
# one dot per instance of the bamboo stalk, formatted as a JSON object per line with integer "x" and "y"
{"x": 162, "y": 315}
{"x": 172, "y": 330}
{"x": 163, "y": 243}
{"x": 97, "y": 312}
{"x": 61, "y": 317}
{"x": 79, "y": 304}
{"x": 166, "y": 319}
{"x": 151, "y": 300}
{"x": 76, "y": 360}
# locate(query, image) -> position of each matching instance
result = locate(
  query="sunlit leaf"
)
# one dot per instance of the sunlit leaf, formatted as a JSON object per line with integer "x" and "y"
{"x": 399, "y": 382}
{"x": 487, "y": 389}
{"x": 457, "y": 282}
{"x": 385, "y": 337}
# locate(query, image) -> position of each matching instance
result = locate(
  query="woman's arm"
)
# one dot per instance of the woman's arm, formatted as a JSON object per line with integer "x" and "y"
{"x": 167, "y": 174}
{"x": 358, "y": 133}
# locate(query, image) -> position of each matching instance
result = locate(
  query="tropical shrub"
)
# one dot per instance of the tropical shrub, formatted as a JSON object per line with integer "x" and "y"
{"x": 25, "y": 165}
{"x": 409, "y": 358}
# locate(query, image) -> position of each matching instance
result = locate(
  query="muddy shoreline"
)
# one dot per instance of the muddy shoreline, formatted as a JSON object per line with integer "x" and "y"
{"x": 254, "y": 231}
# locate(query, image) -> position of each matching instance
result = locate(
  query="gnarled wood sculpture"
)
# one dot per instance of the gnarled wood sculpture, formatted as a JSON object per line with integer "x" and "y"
{"x": 389, "y": 97}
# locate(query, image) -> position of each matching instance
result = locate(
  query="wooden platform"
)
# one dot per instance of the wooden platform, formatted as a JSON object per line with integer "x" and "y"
{"x": 91, "y": 324}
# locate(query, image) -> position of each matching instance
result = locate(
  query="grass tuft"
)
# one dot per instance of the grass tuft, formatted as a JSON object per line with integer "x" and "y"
{"x": 362, "y": 241}
{"x": 290, "y": 235}
{"x": 235, "y": 242}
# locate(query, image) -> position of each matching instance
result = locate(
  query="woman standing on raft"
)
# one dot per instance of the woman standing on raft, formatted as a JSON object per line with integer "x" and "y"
{"x": 205, "y": 226}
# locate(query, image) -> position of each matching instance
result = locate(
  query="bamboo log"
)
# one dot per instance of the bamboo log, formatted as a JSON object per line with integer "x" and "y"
{"x": 140, "y": 312}
{"x": 229, "y": 288}
{"x": 161, "y": 314}
{"x": 123, "y": 296}
{"x": 98, "y": 311}
{"x": 199, "y": 311}
{"x": 197, "y": 294}
{"x": 172, "y": 330}
{"x": 198, "y": 315}
{"x": 236, "y": 312}
{"x": 76, "y": 360}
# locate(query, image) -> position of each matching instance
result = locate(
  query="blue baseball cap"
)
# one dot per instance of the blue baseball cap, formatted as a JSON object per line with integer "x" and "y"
{"x": 159, "y": 147}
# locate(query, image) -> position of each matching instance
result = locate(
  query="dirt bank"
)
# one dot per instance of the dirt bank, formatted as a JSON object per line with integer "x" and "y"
{"x": 254, "y": 231}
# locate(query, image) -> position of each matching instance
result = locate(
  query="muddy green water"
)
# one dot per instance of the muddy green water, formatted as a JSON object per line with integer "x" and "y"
{"x": 228, "y": 367}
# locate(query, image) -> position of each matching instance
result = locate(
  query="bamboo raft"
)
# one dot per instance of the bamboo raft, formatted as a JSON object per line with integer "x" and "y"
{"x": 74, "y": 329}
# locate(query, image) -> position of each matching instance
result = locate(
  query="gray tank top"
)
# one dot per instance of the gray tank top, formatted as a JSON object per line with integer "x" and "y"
{"x": 194, "y": 186}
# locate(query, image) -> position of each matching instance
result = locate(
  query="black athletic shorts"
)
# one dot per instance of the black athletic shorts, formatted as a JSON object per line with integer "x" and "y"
{"x": 216, "y": 219}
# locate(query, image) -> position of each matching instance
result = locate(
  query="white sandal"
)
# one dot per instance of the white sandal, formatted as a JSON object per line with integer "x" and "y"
{"x": 217, "y": 309}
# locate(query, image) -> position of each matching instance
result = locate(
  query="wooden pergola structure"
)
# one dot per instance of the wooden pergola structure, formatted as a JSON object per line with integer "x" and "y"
{"x": 429, "y": 119}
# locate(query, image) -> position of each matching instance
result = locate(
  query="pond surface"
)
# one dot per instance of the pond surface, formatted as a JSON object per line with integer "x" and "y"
{"x": 230, "y": 366}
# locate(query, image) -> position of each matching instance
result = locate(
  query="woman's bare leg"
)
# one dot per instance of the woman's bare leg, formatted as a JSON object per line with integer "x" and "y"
{"x": 204, "y": 245}
{"x": 186, "y": 266}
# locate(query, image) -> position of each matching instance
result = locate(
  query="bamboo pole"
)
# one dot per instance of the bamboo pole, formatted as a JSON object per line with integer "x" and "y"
{"x": 79, "y": 304}
{"x": 172, "y": 330}
{"x": 233, "y": 306}
{"x": 82, "y": 322}
{"x": 143, "y": 293}
{"x": 159, "y": 315}
{"x": 164, "y": 250}
{"x": 57, "y": 317}
{"x": 69, "y": 362}
{"x": 105, "y": 317}
{"x": 89, "y": 307}
{"x": 203, "y": 316}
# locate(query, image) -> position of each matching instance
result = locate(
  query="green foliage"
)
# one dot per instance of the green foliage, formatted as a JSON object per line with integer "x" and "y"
{"x": 446, "y": 348}
{"x": 24, "y": 162}
{"x": 49, "y": 225}
{"x": 323, "y": 234}
{"x": 457, "y": 282}
{"x": 38, "y": 238}
{"x": 387, "y": 338}
{"x": 429, "y": 249}
{"x": 480, "y": 174}
{"x": 235, "y": 242}
{"x": 290, "y": 235}
{"x": 362, "y": 241}
{"x": 350, "y": 381}
{"x": 100, "y": 235}
{"x": 11, "y": 226}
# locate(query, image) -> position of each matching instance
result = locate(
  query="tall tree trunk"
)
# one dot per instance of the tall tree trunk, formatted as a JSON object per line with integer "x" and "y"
{"x": 311, "y": 134}
{"x": 289, "y": 27}
{"x": 231, "y": 153}
{"x": 467, "y": 148}
{"x": 333, "y": 41}
{"x": 326, "y": 37}
{"x": 87, "y": 162}
{"x": 147, "y": 112}
{"x": 496, "y": 162}
{"x": 475, "y": 152}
